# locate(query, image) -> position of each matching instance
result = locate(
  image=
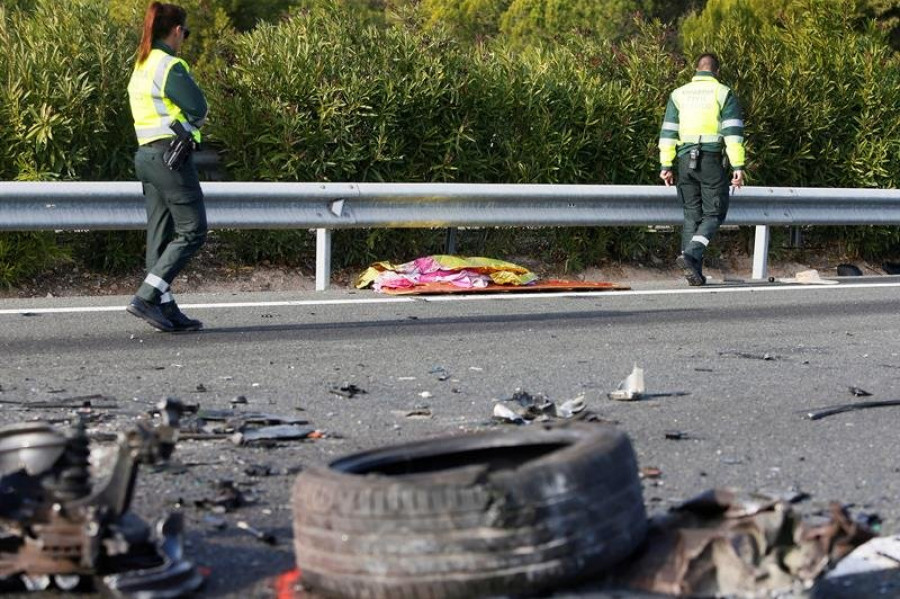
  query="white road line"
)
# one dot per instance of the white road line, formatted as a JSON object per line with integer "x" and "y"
{"x": 473, "y": 297}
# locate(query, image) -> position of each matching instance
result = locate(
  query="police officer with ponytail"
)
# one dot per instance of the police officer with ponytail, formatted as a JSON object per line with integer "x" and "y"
{"x": 168, "y": 109}
{"x": 703, "y": 126}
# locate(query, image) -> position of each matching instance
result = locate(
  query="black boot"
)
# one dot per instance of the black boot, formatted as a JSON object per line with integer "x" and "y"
{"x": 179, "y": 319}
{"x": 691, "y": 269}
{"x": 151, "y": 313}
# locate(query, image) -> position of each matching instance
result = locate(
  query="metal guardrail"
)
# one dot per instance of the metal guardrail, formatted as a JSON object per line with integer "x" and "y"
{"x": 28, "y": 206}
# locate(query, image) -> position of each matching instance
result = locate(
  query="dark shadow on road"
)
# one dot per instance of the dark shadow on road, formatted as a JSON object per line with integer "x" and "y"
{"x": 104, "y": 340}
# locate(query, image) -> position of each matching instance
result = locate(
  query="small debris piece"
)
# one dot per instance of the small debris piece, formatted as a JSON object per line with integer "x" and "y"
{"x": 850, "y": 407}
{"x": 571, "y": 407}
{"x": 228, "y": 498}
{"x": 421, "y": 413}
{"x": 281, "y": 432}
{"x": 348, "y": 390}
{"x": 650, "y": 472}
{"x": 631, "y": 388}
{"x": 881, "y": 553}
{"x": 725, "y": 544}
{"x": 856, "y": 391}
{"x": 676, "y": 435}
{"x": 739, "y": 354}
{"x": 258, "y": 470}
{"x": 808, "y": 277}
{"x": 248, "y": 417}
{"x": 201, "y": 388}
{"x": 265, "y": 537}
{"x": 215, "y": 522}
{"x": 239, "y": 400}
{"x": 502, "y": 412}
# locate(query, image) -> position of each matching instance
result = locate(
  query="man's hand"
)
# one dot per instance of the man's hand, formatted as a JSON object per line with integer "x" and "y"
{"x": 667, "y": 177}
{"x": 737, "y": 179}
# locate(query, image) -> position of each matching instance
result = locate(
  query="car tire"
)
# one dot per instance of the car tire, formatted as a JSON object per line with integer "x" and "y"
{"x": 481, "y": 515}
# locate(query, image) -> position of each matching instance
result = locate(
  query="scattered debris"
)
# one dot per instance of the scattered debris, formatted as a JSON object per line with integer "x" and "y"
{"x": 880, "y": 553}
{"x": 265, "y": 537}
{"x": 60, "y": 528}
{"x": 216, "y": 522}
{"x": 739, "y": 354}
{"x": 859, "y": 392}
{"x": 722, "y": 544}
{"x": 503, "y": 412}
{"x": 650, "y": 472}
{"x": 227, "y": 498}
{"x": 441, "y": 372}
{"x": 523, "y": 407}
{"x": 258, "y": 470}
{"x": 240, "y": 419}
{"x": 281, "y": 432}
{"x": 808, "y": 277}
{"x": 348, "y": 390}
{"x": 417, "y": 413}
{"x": 820, "y": 413}
{"x": 571, "y": 407}
{"x": 631, "y": 388}
{"x": 95, "y": 401}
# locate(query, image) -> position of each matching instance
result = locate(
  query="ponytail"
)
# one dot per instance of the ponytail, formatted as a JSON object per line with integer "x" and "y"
{"x": 159, "y": 21}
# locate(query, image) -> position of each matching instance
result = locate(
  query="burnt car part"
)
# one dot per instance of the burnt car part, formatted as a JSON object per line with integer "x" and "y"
{"x": 59, "y": 528}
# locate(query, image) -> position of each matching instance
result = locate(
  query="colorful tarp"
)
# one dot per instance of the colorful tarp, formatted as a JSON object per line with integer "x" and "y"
{"x": 460, "y": 272}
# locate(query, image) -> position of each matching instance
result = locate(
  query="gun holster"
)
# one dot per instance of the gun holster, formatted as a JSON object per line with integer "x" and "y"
{"x": 693, "y": 156}
{"x": 180, "y": 148}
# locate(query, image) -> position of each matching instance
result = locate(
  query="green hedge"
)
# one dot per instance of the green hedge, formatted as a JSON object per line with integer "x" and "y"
{"x": 324, "y": 96}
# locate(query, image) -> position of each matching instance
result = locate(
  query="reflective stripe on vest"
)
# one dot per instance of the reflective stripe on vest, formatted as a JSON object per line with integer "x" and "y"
{"x": 152, "y": 111}
{"x": 699, "y": 106}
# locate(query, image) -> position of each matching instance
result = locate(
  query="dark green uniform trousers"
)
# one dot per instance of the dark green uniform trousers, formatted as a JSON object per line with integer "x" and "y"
{"x": 176, "y": 219}
{"x": 703, "y": 193}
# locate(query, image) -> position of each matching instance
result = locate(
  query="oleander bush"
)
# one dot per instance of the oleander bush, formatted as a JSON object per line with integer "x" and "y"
{"x": 327, "y": 92}
{"x": 323, "y": 97}
{"x": 63, "y": 111}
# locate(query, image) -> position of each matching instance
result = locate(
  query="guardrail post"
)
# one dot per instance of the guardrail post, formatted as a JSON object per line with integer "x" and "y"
{"x": 323, "y": 259}
{"x": 761, "y": 252}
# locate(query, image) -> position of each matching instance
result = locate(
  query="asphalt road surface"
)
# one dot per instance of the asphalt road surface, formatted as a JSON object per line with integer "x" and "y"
{"x": 734, "y": 369}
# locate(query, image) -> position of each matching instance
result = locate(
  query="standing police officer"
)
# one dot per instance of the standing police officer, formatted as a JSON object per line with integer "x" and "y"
{"x": 163, "y": 94}
{"x": 701, "y": 118}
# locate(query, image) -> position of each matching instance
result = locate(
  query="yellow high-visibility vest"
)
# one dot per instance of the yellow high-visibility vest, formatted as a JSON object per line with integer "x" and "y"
{"x": 699, "y": 105}
{"x": 152, "y": 111}
{"x": 700, "y": 120}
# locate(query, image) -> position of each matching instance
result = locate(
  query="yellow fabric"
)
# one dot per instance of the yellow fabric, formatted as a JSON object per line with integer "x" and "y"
{"x": 369, "y": 275}
{"x": 483, "y": 265}
{"x": 151, "y": 109}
